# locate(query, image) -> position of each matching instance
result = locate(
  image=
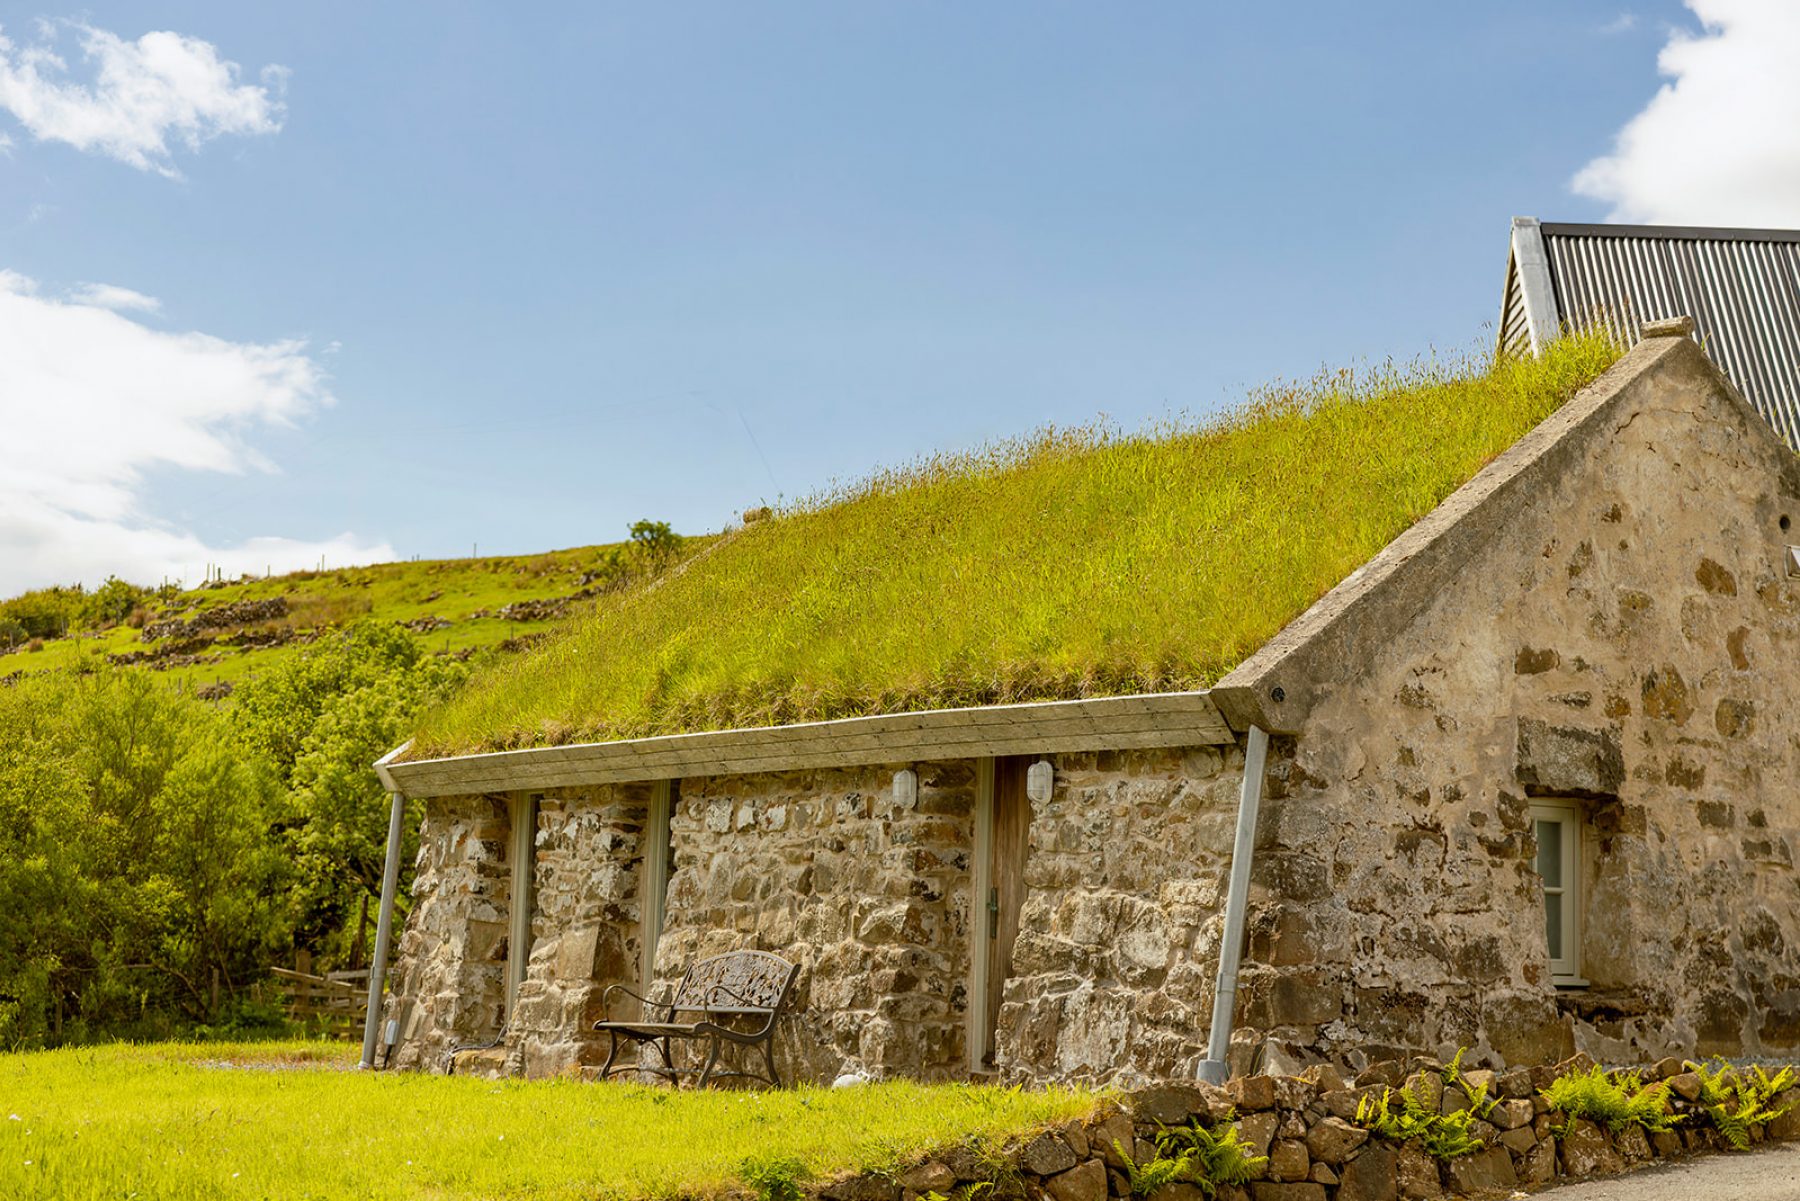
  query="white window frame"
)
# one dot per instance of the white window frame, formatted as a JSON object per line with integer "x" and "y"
{"x": 1565, "y": 971}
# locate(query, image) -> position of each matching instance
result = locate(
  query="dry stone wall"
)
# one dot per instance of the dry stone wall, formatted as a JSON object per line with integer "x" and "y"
{"x": 1631, "y": 642}
{"x": 1113, "y": 971}
{"x": 586, "y": 924}
{"x": 871, "y": 897}
{"x": 449, "y": 985}
{"x": 1305, "y": 1128}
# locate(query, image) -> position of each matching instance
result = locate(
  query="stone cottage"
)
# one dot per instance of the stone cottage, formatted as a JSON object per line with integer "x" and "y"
{"x": 1529, "y": 788}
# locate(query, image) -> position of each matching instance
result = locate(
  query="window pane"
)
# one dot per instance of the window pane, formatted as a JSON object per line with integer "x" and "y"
{"x": 1549, "y": 857}
{"x": 1553, "y": 904}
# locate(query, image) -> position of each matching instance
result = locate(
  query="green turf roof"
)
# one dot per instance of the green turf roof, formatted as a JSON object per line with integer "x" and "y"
{"x": 1066, "y": 564}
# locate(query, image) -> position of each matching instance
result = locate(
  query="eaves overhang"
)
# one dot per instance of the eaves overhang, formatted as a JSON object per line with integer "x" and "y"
{"x": 1148, "y": 721}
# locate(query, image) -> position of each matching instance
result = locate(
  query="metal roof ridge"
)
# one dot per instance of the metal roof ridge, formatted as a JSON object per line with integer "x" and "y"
{"x": 1720, "y": 233}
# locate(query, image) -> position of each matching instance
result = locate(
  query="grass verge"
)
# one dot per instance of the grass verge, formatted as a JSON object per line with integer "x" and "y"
{"x": 181, "y": 1121}
{"x": 1069, "y": 563}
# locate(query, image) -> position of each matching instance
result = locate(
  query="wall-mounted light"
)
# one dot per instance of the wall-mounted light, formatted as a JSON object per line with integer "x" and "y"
{"x": 1040, "y": 780}
{"x": 1793, "y": 562}
{"x": 906, "y": 788}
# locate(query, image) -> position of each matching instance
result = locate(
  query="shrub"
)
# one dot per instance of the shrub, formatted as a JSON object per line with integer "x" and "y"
{"x": 1735, "y": 1099}
{"x": 1614, "y": 1101}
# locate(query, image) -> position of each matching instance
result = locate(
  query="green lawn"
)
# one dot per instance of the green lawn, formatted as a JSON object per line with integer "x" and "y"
{"x": 1070, "y": 563}
{"x": 287, "y": 1121}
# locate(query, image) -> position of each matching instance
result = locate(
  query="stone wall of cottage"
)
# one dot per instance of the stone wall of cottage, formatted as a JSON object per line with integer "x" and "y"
{"x": 449, "y": 983}
{"x": 869, "y": 896}
{"x": 1113, "y": 971}
{"x": 1633, "y": 642}
{"x": 586, "y": 925}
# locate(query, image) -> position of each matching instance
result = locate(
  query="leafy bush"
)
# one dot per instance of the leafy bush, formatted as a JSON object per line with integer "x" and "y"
{"x": 1614, "y": 1101}
{"x": 1735, "y": 1099}
{"x": 1444, "y": 1136}
{"x": 1196, "y": 1155}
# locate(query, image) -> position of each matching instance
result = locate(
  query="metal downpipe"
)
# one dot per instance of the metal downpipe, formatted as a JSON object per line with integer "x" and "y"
{"x": 1214, "y": 1069}
{"x": 384, "y": 928}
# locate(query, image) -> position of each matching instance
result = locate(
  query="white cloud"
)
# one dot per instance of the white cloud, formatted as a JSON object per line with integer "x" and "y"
{"x": 1720, "y": 143}
{"x": 112, "y": 296}
{"x": 162, "y": 88}
{"x": 1625, "y": 22}
{"x": 90, "y": 400}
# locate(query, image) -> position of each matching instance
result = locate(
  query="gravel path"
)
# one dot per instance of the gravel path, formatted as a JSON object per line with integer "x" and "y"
{"x": 1767, "y": 1175}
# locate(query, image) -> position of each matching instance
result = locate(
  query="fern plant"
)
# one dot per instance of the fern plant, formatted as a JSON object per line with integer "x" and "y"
{"x": 1206, "y": 1158}
{"x": 1480, "y": 1104}
{"x": 1736, "y": 1099}
{"x": 1613, "y": 1102}
{"x": 1444, "y": 1136}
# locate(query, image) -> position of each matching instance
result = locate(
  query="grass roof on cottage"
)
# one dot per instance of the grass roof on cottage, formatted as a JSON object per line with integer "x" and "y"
{"x": 1065, "y": 564}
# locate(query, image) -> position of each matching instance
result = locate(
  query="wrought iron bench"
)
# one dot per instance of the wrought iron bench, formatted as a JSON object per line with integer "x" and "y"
{"x": 732, "y": 998}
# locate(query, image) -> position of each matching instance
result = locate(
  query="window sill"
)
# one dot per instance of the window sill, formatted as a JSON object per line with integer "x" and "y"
{"x": 1569, "y": 983}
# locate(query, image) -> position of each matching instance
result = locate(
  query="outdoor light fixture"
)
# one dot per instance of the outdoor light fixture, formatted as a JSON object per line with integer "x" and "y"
{"x": 1793, "y": 562}
{"x": 906, "y": 788}
{"x": 1040, "y": 779}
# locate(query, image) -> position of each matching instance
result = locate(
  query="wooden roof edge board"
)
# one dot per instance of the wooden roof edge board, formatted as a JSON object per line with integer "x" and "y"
{"x": 869, "y": 748}
{"x": 713, "y": 761}
{"x": 472, "y": 781}
{"x": 1188, "y": 718}
{"x": 1333, "y": 642}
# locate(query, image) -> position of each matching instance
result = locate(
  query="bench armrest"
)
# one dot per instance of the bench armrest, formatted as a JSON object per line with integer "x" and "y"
{"x": 646, "y": 1004}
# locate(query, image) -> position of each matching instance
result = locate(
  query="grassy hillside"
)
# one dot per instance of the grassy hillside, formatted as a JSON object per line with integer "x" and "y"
{"x": 210, "y": 637}
{"x": 1068, "y": 564}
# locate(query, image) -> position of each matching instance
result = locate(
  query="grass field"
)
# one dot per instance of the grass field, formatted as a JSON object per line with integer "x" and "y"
{"x": 1067, "y": 564}
{"x": 180, "y": 1121}
{"x": 466, "y": 595}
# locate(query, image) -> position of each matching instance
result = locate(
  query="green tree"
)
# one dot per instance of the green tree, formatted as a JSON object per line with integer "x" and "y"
{"x": 324, "y": 718}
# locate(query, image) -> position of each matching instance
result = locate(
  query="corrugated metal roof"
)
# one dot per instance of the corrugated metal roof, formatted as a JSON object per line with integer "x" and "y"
{"x": 1741, "y": 287}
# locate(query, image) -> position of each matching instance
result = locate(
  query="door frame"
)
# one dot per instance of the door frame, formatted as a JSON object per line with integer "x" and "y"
{"x": 981, "y": 881}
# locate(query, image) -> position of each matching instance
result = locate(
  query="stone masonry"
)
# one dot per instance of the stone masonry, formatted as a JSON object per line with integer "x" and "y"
{"x": 1628, "y": 638}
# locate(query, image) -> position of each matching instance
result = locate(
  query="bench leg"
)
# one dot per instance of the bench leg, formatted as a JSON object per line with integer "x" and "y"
{"x": 712, "y": 1061}
{"x": 768, "y": 1047}
{"x": 612, "y": 1053}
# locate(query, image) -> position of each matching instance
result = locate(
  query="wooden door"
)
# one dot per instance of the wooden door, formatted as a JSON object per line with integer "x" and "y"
{"x": 1006, "y": 874}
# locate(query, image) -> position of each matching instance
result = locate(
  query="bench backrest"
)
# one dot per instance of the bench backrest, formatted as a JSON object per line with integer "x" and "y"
{"x": 748, "y": 979}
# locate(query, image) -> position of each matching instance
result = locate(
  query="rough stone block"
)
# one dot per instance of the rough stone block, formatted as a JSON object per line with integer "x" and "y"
{"x": 1268, "y": 1190}
{"x": 1685, "y": 1085}
{"x": 1288, "y": 1160}
{"x": 1665, "y": 1143}
{"x": 1084, "y": 1182}
{"x": 1418, "y": 1174}
{"x": 1373, "y": 1175}
{"x": 931, "y": 1177}
{"x": 1518, "y": 1141}
{"x": 1110, "y": 1135}
{"x": 1484, "y": 1171}
{"x": 1046, "y": 1155}
{"x": 1510, "y": 1115}
{"x": 1538, "y": 1165}
{"x": 1169, "y": 1104}
{"x": 1342, "y": 1103}
{"x": 1586, "y": 1151}
{"x": 1251, "y": 1093}
{"x": 1256, "y": 1131}
{"x": 1332, "y": 1140}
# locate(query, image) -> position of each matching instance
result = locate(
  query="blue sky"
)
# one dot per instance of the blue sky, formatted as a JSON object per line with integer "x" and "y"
{"x": 559, "y": 267}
